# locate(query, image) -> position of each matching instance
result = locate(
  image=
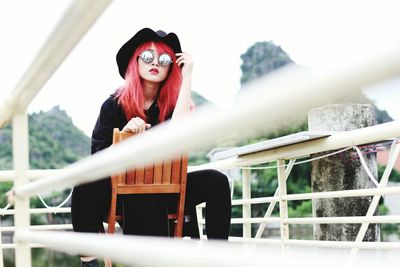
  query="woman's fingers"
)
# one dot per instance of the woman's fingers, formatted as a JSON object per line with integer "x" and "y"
{"x": 185, "y": 61}
{"x": 136, "y": 125}
{"x": 183, "y": 58}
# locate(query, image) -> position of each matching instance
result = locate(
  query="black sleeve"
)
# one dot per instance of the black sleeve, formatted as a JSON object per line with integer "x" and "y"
{"x": 103, "y": 130}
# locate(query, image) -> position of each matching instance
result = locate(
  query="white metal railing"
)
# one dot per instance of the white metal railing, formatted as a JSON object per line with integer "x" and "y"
{"x": 296, "y": 89}
{"x": 354, "y": 137}
{"x": 74, "y": 24}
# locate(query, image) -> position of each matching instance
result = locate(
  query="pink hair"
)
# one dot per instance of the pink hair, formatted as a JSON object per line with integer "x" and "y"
{"x": 130, "y": 95}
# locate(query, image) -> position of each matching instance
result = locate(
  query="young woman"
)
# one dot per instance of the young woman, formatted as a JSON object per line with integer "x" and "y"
{"x": 157, "y": 88}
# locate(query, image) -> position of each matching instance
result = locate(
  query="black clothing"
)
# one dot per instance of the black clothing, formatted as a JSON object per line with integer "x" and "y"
{"x": 147, "y": 214}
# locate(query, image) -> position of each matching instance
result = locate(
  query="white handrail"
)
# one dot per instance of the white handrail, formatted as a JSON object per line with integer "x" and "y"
{"x": 140, "y": 251}
{"x": 292, "y": 88}
{"x": 321, "y": 244}
{"x": 38, "y": 211}
{"x": 138, "y": 151}
{"x": 78, "y": 19}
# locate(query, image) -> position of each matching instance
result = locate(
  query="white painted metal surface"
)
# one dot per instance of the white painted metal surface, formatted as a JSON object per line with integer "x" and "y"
{"x": 302, "y": 91}
{"x": 78, "y": 19}
{"x": 272, "y": 143}
{"x": 246, "y": 194}
{"x": 283, "y": 205}
{"x": 21, "y": 165}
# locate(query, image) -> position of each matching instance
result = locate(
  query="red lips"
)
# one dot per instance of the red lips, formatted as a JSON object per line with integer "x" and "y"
{"x": 153, "y": 71}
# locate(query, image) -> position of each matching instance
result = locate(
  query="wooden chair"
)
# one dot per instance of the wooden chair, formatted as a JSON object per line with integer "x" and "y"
{"x": 160, "y": 178}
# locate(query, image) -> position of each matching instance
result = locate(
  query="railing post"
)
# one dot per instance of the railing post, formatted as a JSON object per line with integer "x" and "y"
{"x": 21, "y": 165}
{"x": 1, "y": 247}
{"x": 246, "y": 193}
{"x": 283, "y": 207}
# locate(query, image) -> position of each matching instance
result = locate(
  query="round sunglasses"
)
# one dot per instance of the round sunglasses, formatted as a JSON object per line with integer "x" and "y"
{"x": 147, "y": 56}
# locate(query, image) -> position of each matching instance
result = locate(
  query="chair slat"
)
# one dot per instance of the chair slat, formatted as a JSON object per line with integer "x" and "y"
{"x": 158, "y": 171}
{"x": 167, "y": 167}
{"x": 130, "y": 177}
{"x": 148, "y": 189}
{"x": 148, "y": 174}
{"x": 139, "y": 175}
{"x": 176, "y": 171}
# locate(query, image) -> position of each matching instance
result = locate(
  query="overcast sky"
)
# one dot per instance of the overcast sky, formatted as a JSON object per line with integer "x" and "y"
{"x": 316, "y": 34}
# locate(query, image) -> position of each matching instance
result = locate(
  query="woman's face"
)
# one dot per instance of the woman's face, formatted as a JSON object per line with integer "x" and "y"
{"x": 153, "y": 71}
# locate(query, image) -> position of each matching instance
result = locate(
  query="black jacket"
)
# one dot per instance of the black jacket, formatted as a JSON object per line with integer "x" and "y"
{"x": 112, "y": 116}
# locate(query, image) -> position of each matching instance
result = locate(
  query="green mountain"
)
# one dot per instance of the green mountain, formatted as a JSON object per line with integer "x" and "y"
{"x": 54, "y": 141}
{"x": 262, "y": 58}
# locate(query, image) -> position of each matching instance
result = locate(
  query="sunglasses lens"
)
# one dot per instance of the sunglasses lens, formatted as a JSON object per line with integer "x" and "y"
{"x": 165, "y": 60}
{"x": 147, "y": 56}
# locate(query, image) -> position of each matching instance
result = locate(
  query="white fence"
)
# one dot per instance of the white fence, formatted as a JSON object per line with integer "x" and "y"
{"x": 291, "y": 91}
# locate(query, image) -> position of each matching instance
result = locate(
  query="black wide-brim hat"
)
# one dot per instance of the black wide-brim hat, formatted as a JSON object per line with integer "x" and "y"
{"x": 125, "y": 53}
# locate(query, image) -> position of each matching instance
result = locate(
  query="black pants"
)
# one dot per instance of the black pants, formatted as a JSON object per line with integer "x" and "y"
{"x": 147, "y": 214}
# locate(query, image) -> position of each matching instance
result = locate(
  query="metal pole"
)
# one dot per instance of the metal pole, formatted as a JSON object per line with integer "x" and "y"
{"x": 1, "y": 247}
{"x": 272, "y": 204}
{"x": 283, "y": 207}
{"x": 21, "y": 165}
{"x": 246, "y": 186}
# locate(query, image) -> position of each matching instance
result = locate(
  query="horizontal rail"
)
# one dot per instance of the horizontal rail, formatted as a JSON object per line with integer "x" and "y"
{"x": 252, "y": 220}
{"x": 38, "y": 211}
{"x": 139, "y": 251}
{"x": 356, "y": 137}
{"x": 319, "y": 220}
{"x": 39, "y": 227}
{"x": 339, "y": 220}
{"x": 75, "y": 23}
{"x": 293, "y": 88}
{"x": 345, "y": 193}
{"x": 322, "y": 244}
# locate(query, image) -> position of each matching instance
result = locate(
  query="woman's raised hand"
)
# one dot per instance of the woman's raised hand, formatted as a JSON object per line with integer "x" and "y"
{"x": 136, "y": 125}
{"x": 187, "y": 61}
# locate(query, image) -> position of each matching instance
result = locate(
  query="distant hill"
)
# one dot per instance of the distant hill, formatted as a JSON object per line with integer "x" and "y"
{"x": 54, "y": 141}
{"x": 264, "y": 57}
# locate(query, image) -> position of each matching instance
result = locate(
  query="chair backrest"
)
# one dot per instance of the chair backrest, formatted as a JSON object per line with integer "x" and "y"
{"x": 164, "y": 177}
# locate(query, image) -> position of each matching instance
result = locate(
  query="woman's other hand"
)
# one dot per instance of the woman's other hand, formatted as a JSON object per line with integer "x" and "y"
{"x": 136, "y": 125}
{"x": 185, "y": 61}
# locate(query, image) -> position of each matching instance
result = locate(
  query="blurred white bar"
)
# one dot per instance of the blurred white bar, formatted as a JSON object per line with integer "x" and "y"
{"x": 291, "y": 91}
{"x": 79, "y": 18}
{"x": 366, "y": 135}
{"x": 140, "y": 251}
{"x": 322, "y": 244}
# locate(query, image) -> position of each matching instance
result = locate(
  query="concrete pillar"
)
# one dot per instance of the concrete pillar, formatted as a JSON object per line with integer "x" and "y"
{"x": 341, "y": 172}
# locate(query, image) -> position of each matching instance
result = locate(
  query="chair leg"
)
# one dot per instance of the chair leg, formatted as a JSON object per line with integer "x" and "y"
{"x": 180, "y": 216}
{"x": 112, "y": 214}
